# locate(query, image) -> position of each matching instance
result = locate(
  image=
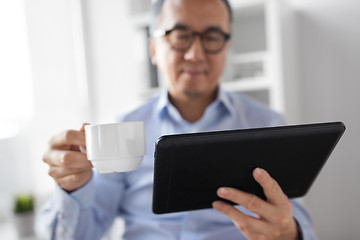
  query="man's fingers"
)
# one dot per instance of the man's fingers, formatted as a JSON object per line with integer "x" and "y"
{"x": 245, "y": 223}
{"x": 274, "y": 219}
{"x": 68, "y": 138}
{"x": 67, "y": 159}
{"x": 272, "y": 189}
{"x": 74, "y": 181}
{"x": 252, "y": 228}
{"x": 240, "y": 220}
{"x": 60, "y": 172}
{"x": 250, "y": 202}
{"x": 82, "y": 129}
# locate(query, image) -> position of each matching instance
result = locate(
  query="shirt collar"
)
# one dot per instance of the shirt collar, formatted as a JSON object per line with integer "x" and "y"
{"x": 222, "y": 99}
{"x": 163, "y": 103}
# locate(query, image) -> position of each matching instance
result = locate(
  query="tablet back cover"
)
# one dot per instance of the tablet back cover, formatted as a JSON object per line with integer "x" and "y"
{"x": 189, "y": 168}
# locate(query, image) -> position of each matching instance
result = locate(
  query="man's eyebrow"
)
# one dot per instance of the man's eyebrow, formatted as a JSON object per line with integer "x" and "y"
{"x": 186, "y": 27}
{"x": 216, "y": 28}
{"x": 180, "y": 26}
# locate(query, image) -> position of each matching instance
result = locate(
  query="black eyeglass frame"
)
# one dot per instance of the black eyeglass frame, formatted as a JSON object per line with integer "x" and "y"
{"x": 165, "y": 33}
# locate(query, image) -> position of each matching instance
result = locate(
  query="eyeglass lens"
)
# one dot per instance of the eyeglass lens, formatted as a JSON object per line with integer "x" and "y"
{"x": 181, "y": 39}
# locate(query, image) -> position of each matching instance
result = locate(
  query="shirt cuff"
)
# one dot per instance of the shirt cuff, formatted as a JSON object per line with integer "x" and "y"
{"x": 303, "y": 221}
{"x": 299, "y": 231}
{"x": 82, "y": 197}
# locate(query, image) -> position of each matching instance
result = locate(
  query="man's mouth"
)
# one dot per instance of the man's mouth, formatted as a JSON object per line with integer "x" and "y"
{"x": 194, "y": 72}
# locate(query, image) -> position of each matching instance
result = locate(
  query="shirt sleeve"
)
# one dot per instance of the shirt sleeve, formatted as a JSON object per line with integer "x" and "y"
{"x": 303, "y": 219}
{"x": 86, "y": 213}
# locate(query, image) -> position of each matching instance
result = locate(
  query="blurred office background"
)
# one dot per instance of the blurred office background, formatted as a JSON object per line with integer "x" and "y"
{"x": 65, "y": 62}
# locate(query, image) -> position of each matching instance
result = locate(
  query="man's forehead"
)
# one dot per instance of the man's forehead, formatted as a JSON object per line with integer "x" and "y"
{"x": 197, "y": 14}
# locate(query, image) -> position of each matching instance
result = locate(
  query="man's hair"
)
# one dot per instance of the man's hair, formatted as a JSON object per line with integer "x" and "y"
{"x": 158, "y": 7}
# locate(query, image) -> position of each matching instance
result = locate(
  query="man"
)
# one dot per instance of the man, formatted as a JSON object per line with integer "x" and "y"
{"x": 189, "y": 46}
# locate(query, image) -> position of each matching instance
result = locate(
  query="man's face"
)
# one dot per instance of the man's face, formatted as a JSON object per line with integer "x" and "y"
{"x": 191, "y": 73}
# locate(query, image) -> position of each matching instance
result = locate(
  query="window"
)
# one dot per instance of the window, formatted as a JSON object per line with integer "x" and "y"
{"x": 16, "y": 96}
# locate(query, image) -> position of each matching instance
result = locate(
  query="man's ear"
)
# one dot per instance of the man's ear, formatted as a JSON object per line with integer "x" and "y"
{"x": 152, "y": 50}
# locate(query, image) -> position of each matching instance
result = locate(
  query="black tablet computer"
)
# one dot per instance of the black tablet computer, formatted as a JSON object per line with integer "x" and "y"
{"x": 189, "y": 168}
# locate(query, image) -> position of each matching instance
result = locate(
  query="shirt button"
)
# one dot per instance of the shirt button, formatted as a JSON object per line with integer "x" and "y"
{"x": 67, "y": 235}
{"x": 190, "y": 223}
{"x": 85, "y": 197}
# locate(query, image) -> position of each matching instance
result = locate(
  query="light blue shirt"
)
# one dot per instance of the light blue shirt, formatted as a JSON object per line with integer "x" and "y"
{"x": 89, "y": 212}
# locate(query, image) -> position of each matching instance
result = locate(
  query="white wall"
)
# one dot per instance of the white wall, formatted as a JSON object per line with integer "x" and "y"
{"x": 329, "y": 48}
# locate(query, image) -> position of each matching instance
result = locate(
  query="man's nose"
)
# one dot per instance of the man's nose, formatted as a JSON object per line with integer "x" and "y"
{"x": 196, "y": 50}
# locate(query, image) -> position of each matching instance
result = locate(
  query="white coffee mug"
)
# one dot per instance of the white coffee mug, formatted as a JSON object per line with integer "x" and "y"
{"x": 115, "y": 147}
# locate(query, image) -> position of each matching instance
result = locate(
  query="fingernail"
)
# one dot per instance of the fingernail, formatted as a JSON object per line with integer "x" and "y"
{"x": 218, "y": 205}
{"x": 223, "y": 191}
{"x": 259, "y": 172}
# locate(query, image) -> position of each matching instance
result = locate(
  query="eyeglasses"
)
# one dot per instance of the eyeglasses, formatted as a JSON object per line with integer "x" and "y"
{"x": 181, "y": 38}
